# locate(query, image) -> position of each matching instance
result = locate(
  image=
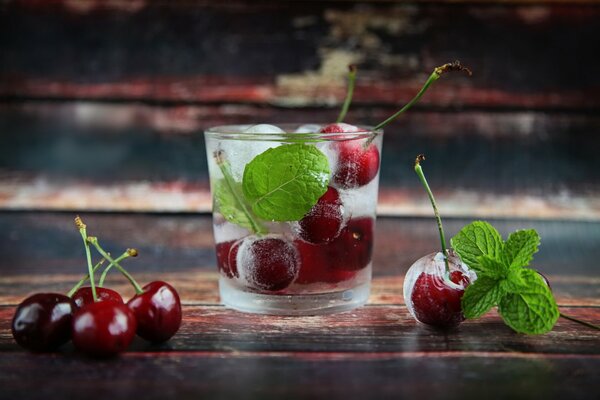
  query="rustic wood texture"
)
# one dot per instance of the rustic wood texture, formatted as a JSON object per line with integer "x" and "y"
{"x": 376, "y": 351}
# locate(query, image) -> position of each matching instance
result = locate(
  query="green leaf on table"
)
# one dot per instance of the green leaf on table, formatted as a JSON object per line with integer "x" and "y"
{"x": 284, "y": 183}
{"x": 533, "y": 309}
{"x": 520, "y": 247}
{"x": 479, "y": 238}
{"x": 481, "y": 296}
{"x": 491, "y": 267}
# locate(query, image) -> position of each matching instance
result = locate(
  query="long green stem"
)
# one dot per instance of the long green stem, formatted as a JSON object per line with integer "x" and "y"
{"x": 94, "y": 241}
{"x": 126, "y": 254}
{"x": 223, "y": 164}
{"x": 588, "y": 324}
{"x": 421, "y": 176}
{"x": 435, "y": 75}
{"x": 84, "y": 279}
{"x": 349, "y": 93}
{"x": 83, "y": 231}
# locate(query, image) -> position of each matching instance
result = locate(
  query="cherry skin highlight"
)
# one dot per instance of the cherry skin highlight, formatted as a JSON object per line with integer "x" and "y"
{"x": 103, "y": 328}
{"x": 83, "y": 296}
{"x": 324, "y": 220}
{"x": 357, "y": 165}
{"x": 157, "y": 311}
{"x": 42, "y": 322}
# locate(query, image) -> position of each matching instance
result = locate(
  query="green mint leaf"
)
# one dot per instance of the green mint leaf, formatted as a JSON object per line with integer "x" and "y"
{"x": 514, "y": 282}
{"x": 229, "y": 202}
{"x": 479, "y": 238}
{"x": 533, "y": 309}
{"x": 491, "y": 267}
{"x": 520, "y": 247}
{"x": 284, "y": 183}
{"x": 481, "y": 296}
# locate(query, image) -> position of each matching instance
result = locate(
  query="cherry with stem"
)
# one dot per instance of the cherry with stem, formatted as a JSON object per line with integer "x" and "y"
{"x": 128, "y": 253}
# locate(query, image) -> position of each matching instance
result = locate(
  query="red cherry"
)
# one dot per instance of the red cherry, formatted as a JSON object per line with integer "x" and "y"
{"x": 269, "y": 263}
{"x": 83, "y": 296}
{"x": 316, "y": 265}
{"x": 157, "y": 311}
{"x": 103, "y": 328}
{"x": 323, "y": 221}
{"x": 226, "y": 258}
{"x": 352, "y": 249}
{"x": 356, "y": 164}
{"x": 42, "y": 322}
{"x": 436, "y": 303}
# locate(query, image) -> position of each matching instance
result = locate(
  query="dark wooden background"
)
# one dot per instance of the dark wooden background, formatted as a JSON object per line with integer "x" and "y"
{"x": 102, "y": 108}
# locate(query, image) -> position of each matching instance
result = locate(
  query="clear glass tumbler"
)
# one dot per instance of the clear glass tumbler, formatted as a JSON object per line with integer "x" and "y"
{"x": 293, "y": 216}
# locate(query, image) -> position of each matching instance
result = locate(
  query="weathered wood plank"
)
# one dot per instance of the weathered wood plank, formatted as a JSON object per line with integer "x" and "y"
{"x": 366, "y": 329}
{"x": 296, "y": 53}
{"x": 135, "y": 157}
{"x": 298, "y": 376}
{"x": 42, "y": 251}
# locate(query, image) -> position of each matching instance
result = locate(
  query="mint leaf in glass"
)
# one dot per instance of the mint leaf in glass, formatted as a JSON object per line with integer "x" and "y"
{"x": 532, "y": 310}
{"x": 520, "y": 247}
{"x": 481, "y": 296}
{"x": 284, "y": 183}
{"x": 479, "y": 238}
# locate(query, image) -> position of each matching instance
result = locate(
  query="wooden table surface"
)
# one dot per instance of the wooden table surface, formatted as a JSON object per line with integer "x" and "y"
{"x": 376, "y": 351}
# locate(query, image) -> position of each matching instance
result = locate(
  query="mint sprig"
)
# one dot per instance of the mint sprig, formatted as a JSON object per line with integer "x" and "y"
{"x": 285, "y": 182}
{"x": 524, "y": 301}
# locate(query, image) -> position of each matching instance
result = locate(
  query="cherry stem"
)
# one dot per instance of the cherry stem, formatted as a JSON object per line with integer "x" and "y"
{"x": 588, "y": 324}
{"x": 94, "y": 241}
{"x": 349, "y": 93}
{"x": 223, "y": 164}
{"x": 421, "y": 176}
{"x": 83, "y": 231}
{"x": 126, "y": 254}
{"x": 435, "y": 75}
{"x": 84, "y": 279}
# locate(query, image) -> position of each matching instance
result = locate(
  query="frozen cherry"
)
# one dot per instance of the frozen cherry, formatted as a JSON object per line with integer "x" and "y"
{"x": 358, "y": 162}
{"x": 434, "y": 284}
{"x": 157, "y": 311}
{"x": 323, "y": 221}
{"x": 42, "y": 322}
{"x": 316, "y": 265}
{"x": 103, "y": 328}
{"x": 226, "y": 258}
{"x": 267, "y": 263}
{"x": 83, "y": 296}
{"x": 430, "y": 297}
{"x": 353, "y": 248}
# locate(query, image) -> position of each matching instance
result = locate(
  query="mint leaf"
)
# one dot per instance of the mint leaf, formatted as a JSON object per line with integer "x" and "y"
{"x": 520, "y": 247}
{"x": 481, "y": 296}
{"x": 533, "y": 309}
{"x": 284, "y": 183}
{"x": 232, "y": 207}
{"x": 491, "y": 267}
{"x": 479, "y": 238}
{"x": 514, "y": 282}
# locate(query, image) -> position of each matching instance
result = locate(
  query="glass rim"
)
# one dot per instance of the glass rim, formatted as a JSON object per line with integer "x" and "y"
{"x": 236, "y": 132}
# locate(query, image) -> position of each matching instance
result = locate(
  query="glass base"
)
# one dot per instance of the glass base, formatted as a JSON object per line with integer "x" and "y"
{"x": 297, "y": 304}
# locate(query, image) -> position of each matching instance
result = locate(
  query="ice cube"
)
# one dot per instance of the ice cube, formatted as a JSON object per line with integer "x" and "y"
{"x": 308, "y": 128}
{"x": 226, "y": 232}
{"x": 240, "y": 152}
{"x": 360, "y": 201}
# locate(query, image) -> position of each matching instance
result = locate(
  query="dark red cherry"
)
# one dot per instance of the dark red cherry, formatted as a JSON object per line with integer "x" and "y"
{"x": 352, "y": 249}
{"x": 83, "y": 296}
{"x": 323, "y": 221}
{"x": 103, "y": 328}
{"x": 157, "y": 311}
{"x": 437, "y": 303}
{"x": 226, "y": 259}
{"x": 316, "y": 265}
{"x": 357, "y": 165}
{"x": 42, "y": 322}
{"x": 269, "y": 263}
